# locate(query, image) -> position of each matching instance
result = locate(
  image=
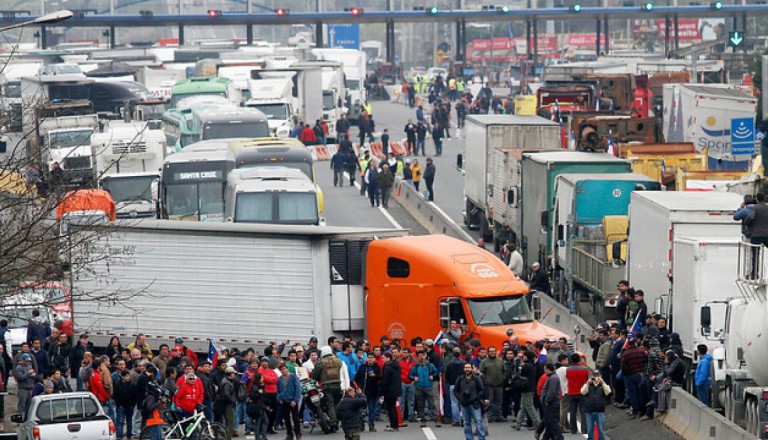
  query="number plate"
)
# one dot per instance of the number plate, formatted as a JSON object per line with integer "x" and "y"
{"x": 315, "y": 399}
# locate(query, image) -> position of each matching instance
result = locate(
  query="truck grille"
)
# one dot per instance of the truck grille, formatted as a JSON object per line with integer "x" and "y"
{"x": 77, "y": 163}
{"x": 129, "y": 148}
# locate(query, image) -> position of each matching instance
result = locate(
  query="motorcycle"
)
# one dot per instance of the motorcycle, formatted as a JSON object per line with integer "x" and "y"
{"x": 313, "y": 399}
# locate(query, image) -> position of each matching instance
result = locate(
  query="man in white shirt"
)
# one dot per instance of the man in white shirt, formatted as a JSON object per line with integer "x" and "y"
{"x": 515, "y": 260}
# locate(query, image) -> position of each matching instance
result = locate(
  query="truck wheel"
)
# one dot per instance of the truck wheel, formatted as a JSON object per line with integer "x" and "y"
{"x": 469, "y": 216}
{"x": 485, "y": 228}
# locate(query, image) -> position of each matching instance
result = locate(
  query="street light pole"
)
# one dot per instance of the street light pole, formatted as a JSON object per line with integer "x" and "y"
{"x": 53, "y": 17}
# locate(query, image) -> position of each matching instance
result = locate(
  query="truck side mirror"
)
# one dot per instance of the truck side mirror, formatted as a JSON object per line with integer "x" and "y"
{"x": 544, "y": 220}
{"x": 536, "y": 305}
{"x": 513, "y": 196}
{"x": 706, "y": 320}
{"x": 445, "y": 314}
{"x": 459, "y": 161}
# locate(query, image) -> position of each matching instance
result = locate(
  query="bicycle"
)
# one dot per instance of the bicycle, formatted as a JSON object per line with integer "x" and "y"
{"x": 195, "y": 427}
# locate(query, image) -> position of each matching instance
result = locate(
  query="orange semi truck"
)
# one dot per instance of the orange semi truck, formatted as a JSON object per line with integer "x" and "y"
{"x": 419, "y": 286}
{"x": 245, "y": 285}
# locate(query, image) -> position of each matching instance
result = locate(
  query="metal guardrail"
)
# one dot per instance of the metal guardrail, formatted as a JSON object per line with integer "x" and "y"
{"x": 751, "y": 272}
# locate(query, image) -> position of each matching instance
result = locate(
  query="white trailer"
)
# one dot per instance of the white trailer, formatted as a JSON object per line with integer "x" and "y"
{"x": 656, "y": 219}
{"x": 488, "y": 174}
{"x": 273, "y": 97}
{"x": 353, "y": 61}
{"x": 716, "y": 118}
{"x": 160, "y": 81}
{"x": 235, "y": 283}
{"x": 704, "y": 272}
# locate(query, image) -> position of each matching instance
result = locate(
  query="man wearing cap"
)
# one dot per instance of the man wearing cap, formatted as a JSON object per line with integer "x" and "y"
{"x": 328, "y": 371}
{"x": 311, "y": 347}
{"x": 595, "y": 392}
{"x": 186, "y": 351}
{"x": 189, "y": 395}
{"x": 25, "y": 381}
{"x": 226, "y": 400}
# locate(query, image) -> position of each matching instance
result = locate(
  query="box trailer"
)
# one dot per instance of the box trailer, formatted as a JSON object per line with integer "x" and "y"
{"x": 656, "y": 219}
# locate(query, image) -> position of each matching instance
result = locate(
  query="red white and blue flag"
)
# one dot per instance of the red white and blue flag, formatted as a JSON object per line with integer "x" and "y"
{"x": 633, "y": 331}
{"x": 213, "y": 352}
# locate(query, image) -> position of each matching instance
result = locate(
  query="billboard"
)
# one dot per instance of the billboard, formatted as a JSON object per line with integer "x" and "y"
{"x": 346, "y": 36}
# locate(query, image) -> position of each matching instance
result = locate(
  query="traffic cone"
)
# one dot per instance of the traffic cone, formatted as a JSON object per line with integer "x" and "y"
{"x": 399, "y": 415}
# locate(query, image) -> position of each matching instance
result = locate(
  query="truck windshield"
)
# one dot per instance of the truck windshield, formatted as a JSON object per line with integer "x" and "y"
{"x": 272, "y": 111}
{"x": 178, "y": 97}
{"x": 293, "y": 208}
{"x": 129, "y": 189}
{"x": 236, "y": 129}
{"x": 328, "y": 101}
{"x": 197, "y": 201}
{"x": 69, "y": 139}
{"x": 500, "y": 310}
{"x": 17, "y": 317}
{"x": 352, "y": 84}
{"x": 12, "y": 89}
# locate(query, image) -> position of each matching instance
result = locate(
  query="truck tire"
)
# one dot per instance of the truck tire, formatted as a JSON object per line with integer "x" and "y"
{"x": 469, "y": 216}
{"x": 485, "y": 229}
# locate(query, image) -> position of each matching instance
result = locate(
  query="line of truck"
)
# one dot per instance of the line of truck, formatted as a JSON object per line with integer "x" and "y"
{"x": 594, "y": 222}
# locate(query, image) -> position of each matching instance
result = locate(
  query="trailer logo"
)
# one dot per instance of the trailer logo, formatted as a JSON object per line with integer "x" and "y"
{"x": 617, "y": 192}
{"x": 396, "y": 330}
{"x": 743, "y": 136}
{"x": 483, "y": 270}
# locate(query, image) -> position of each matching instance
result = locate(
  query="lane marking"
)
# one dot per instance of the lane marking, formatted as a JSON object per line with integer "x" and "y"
{"x": 381, "y": 209}
{"x": 428, "y": 432}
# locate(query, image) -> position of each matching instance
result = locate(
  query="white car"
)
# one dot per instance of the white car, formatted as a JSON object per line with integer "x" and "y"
{"x": 65, "y": 416}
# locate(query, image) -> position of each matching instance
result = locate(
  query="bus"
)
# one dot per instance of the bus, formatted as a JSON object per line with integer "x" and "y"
{"x": 193, "y": 182}
{"x": 237, "y": 123}
{"x": 190, "y": 125}
{"x": 203, "y": 86}
{"x": 270, "y": 152}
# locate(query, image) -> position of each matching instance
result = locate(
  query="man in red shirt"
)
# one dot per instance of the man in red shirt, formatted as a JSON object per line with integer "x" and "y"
{"x": 577, "y": 376}
{"x": 409, "y": 391}
{"x": 189, "y": 396}
{"x": 308, "y": 135}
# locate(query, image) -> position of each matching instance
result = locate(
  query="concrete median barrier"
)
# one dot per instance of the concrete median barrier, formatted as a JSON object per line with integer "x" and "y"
{"x": 426, "y": 213}
{"x": 691, "y": 420}
{"x": 557, "y": 316}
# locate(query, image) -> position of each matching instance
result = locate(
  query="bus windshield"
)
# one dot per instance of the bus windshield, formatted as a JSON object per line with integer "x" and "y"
{"x": 305, "y": 167}
{"x": 69, "y": 139}
{"x": 292, "y": 208}
{"x": 176, "y": 97}
{"x": 203, "y": 201}
{"x": 235, "y": 129}
{"x": 503, "y": 310}
{"x": 129, "y": 189}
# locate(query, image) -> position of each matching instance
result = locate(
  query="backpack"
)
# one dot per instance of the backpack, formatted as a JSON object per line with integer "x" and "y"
{"x": 145, "y": 412}
{"x": 331, "y": 369}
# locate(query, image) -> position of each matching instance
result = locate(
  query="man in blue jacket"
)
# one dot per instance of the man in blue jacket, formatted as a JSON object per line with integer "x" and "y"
{"x": 424, "y": 374}
{"x": 702, "y": 374}
{"x": 289, "y": 397}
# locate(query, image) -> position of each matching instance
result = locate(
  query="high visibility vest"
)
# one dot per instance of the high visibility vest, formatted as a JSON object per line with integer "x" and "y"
{"x": 364, "y": 166}
{"x": 460, "y": 85}
{"x": 399, "y": 167}
{"x": 452, "y": 84}
{"x": 368, "y": 108}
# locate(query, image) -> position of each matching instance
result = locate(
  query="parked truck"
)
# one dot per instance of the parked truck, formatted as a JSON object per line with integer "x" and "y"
{"x": 589, "y": 239}
{"x": 334, "y": 91}
{"x": 337, "y": 277}
{"x": 273, "y": 97}
{"x": 537, "y": 194}
{"x": 490, "y": 175}
{"x": 306, "y": 89}
{"x": 129, "y": 158}
{"x": 656, "y": 220}
{"x": 718, "y": 118}
{"x": 740, "y": 385}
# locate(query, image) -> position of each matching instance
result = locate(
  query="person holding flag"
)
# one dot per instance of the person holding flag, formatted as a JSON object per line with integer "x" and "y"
{"x": 213, "y": 352}
{"x": 633, "y": 362}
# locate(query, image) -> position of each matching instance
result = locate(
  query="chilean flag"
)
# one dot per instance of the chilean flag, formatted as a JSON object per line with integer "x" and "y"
{"x": 633, "y": 332}
{"x": 213, "y": 352}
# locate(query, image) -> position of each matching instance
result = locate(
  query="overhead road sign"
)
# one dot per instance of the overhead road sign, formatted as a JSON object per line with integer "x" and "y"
{"x": 735, "y": 39}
